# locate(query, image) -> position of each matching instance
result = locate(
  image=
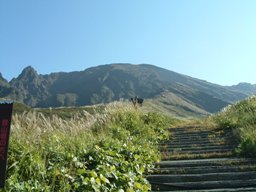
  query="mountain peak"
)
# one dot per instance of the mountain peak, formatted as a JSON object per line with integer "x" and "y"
{"x": 1, "y": 76}
{"x": 2, "y": 79}
{"x": 29, "y": 68}
{"x": 28, "y": 72}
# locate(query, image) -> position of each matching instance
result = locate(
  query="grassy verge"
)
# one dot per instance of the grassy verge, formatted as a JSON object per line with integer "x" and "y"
{"x": 111, "y": 149}
{"x": 241, "y": 117}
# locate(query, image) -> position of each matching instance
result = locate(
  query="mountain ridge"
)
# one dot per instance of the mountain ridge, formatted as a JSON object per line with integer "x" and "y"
{"x": 109, "y": 82}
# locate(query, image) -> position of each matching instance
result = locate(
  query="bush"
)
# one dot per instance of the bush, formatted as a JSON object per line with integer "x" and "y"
{"x": 109, "y": 151}
{"x": 241, "y": 117}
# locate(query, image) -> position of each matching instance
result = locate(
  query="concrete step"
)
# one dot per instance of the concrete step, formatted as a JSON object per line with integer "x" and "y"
{"x": 244, "y": 189}
{"x": 218, "y": 130}
{"x": 195, "y": 148}
{"x": 196, "y": 138}
{"x": 198, "y": 142}
{"x": 207, "y": 162}
{"x": 206, "y": 169}
{"x": 174, "y": 178}
{"x": 184, "y": 156}
{"x": 197, "y": 151}
{"x": 203, "y": 185}
{"x": 201, "y": 133}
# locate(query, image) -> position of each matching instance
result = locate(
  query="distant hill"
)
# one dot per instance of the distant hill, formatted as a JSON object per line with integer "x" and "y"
{"x": 246, "y": 88}
{"x": 102, "y": 84}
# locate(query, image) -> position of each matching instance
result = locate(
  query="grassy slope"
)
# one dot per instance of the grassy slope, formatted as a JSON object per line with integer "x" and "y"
{"x": 170, "y": 104}
{"x": 104, "y": 148}
{"x": 167, "y": 103}
{"x": 241, "y": 117}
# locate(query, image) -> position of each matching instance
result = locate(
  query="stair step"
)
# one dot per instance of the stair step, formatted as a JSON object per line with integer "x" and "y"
{"x": 206, "y": 162}
{"x": 198, "y": 151}
{"x": 202, "y": 177}
{"x": 194, "y": 144}
{"x": 195, "y": 148}
{"x": 205, "y": 169}
{"x": 200, "y": 160}
{"x": 185, "y": 156}
{"x": 244, "y": 189}
{"x": 204, "y": 185}
{"x": 192, "y": 139}
{"x": 200, "y": 140}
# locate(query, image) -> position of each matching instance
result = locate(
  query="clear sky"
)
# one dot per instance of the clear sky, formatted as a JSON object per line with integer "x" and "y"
{"x": 214, "y": 40}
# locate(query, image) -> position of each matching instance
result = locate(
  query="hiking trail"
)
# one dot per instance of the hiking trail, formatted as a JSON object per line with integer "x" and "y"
{"x": 199, "y": 160}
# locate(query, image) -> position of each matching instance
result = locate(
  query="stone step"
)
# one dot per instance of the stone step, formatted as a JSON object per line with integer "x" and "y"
{"x": 198, "y": 142}
{"x": 202, "y": 134}
{"x": 206, "y": 162}
{"x": 189, "y": 148}
{"x": 219, "y": 142}
{"x": 195, "y": 138}
{"x": 244, "y": 189}
{"x": 198, "y": 130}
{"x": 191, "y": 134}
{"x": 184, "y": 156}
{"x": 203, "y": 185}
{"x": 206, "y": 169}
{"x": 173, "y": 178}
{"x": 198, "y": 151}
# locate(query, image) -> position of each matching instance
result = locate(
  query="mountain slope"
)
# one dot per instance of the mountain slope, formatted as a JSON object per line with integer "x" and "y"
{"x": 5, "y": 88}
{"x": 246, "y": 88}
{"x": 106, "y": 83}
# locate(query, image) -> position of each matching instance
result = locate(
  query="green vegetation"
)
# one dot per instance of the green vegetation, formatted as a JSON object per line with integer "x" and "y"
{"x": 107, "y": 150}
{"x": 241, "y": 117}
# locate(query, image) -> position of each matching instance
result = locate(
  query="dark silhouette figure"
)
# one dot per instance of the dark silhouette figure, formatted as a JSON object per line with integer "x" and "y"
{"x": 137, "y": 101}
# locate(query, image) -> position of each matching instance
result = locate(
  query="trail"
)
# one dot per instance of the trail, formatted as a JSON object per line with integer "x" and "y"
{"x": 200, "y": 160}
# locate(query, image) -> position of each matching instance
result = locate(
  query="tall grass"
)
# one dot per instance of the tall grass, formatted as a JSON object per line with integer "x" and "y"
{"x": 241, "y": 117}
{"x": 110, "y": 150}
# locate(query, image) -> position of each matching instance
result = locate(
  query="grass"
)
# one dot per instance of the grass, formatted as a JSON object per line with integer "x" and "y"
{"x": 104, "y": 148}
{"x": 241, "y": 118}
{"x": 170, "y": 104}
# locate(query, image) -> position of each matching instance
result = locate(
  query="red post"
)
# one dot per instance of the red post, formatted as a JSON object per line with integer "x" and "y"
{"x": 5, "y": 125}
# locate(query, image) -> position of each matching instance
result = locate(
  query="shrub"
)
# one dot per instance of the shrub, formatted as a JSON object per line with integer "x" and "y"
{"x": 241, "y": 117}
{"x": 111, "y": 150}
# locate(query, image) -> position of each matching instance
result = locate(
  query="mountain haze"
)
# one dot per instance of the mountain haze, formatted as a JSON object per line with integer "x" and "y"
{"x": 111, "y": 82}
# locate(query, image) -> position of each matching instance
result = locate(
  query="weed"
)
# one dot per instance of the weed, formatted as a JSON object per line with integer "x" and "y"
{"x": 241, "y": 118}
{"x": 111, "y": 149}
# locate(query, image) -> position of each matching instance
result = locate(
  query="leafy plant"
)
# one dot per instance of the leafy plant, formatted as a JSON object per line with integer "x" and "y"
{"x": 110, "y": 150}
{"x": 241, "y": 117}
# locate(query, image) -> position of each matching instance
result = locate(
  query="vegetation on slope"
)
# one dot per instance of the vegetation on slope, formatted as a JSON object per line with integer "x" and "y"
{"x": 241, "y": 117}
{"x": 109, "y": 150}
{"x": 170, "y": 104}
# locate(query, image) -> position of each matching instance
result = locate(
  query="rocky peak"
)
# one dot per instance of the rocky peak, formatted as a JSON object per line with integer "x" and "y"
{"x": 3, "y": 80}
{"x": 1, "y": 77}
{"x": 28, "y": 73}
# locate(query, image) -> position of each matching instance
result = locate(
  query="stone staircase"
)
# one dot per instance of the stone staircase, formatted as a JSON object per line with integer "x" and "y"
{"x": 195, "y": 159}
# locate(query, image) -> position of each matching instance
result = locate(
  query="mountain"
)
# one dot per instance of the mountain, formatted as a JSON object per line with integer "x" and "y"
{"x": 173, "y": 91}
{"x": 246, "y": 88}
{"x": 5, "y": 88}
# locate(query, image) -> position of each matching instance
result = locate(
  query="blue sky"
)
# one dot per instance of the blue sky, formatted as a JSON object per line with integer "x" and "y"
{"x": 214, "y": 40}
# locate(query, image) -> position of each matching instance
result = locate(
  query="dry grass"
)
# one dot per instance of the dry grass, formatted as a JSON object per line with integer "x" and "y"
{"x": 33, "y": 127}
